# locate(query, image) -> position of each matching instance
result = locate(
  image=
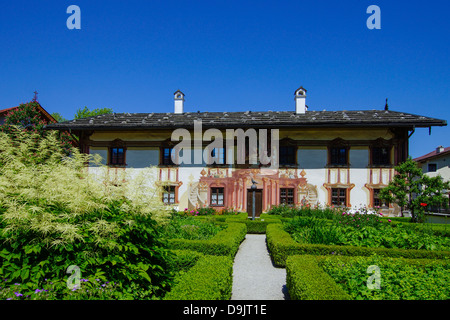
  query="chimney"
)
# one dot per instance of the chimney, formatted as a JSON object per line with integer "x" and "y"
{"x": 179, "y": 101}
{"x": 439, "y": 149}
{"x": 300, "y": 101}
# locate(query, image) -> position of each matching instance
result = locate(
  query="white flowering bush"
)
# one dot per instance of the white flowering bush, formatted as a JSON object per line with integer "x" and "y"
{"x": 56, "y": 212}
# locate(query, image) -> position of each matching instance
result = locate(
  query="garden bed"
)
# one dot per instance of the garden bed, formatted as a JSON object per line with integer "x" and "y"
{"x": 224, "y": 243}
{"x": 281, "y": 245}
{"x": 343, "y": 277}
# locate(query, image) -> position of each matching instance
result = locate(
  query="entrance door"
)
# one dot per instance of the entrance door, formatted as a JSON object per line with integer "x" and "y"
{"x": 258, "y": 202}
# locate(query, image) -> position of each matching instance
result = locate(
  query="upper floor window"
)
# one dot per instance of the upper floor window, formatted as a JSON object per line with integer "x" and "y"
{"x": 117, "y": 156}
{"x": 338, "y": 156}
{"x": 381, "y": 156}
{"x": 166, "y": 158}
{"x": 287, "y": 155}
{"x": 432, "y": 167}
{"x": 219, "y": 155}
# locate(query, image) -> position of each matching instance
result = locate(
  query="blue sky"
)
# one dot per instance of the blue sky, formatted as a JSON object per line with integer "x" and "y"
{"x": 131, "y": 56}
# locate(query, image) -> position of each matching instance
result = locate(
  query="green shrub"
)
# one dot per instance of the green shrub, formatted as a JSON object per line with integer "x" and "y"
{"x": 183, "y": 260}
{"x": 189, "y": 228}
{"x": 400, "y": 278}
{"x": 54, "y": 213}
{"x": 135, "y": 257}
{"x": 226, "y": 242}
{"x": 281, "y": 246}
{"x": 365, "y": 231}
{"x": 305, "y": 280}
{"x": 257, "y": 226}
{"x": 209, "y": 279}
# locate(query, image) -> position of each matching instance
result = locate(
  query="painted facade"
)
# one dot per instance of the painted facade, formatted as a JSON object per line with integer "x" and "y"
{"x": 330, "y": 158}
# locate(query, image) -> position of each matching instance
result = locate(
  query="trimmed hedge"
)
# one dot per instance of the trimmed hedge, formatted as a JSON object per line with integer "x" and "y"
{"x": 224, "y": 243}
{"x": 306, "y": 280}
{"x": 254, "y": 226}
{"x": 183, "y": 260}
{"x": 210, "y": 279}
{"x": 281, "y": 246}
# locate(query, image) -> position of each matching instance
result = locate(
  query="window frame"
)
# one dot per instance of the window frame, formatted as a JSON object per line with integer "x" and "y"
{"x": 116, "y": 160}
{"x": 339, "y": 196}
{"x": 290, "y": 156}
{"x": 376, "y": 201}
{"x": 432, "y": 164}
{"x": 285, "y": 197}
{"x": 332, "y": 156}
{"x": 214, "y": 193}
{"x": 171, "y": 191}
{"x": 377, "y": 157}
{"x": 166, "y": 161}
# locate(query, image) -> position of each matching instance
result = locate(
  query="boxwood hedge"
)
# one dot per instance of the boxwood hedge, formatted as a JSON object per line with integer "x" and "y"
{"x": 281, "y": 246}
{"x": 306, "y": 280}
{"x": 211, "y": 278}
{"x": 224, "y": 243}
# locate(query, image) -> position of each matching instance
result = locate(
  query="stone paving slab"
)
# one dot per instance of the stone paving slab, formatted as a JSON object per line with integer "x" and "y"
{"x": 254, "y": 275}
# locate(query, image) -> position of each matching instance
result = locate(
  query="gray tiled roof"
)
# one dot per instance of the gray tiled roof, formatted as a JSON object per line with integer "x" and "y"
{"x": 268, "y": 119}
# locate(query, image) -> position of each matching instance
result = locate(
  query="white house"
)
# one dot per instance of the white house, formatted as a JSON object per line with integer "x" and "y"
{"x": 334, "y": 158}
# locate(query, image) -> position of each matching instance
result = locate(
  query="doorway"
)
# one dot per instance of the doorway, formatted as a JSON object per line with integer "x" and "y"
{"x": 258, "y": 202}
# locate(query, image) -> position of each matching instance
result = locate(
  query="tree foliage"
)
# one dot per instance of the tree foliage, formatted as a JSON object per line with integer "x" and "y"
{"x": 414, "y": 191}
{"x": 85, "y": 112}
{"x": 28, "y": 118}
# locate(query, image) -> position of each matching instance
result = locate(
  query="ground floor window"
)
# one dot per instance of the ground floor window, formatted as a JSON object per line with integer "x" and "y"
{"x": 339, "y": 196}
{"x": 168, "y": 195}
{"x": 287, "y": 196}
{"x": 217, "y": 196}
{"x": 377, "y": 201}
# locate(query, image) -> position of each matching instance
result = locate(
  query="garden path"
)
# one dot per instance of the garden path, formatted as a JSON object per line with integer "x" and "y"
{"x": 254, "y": 275}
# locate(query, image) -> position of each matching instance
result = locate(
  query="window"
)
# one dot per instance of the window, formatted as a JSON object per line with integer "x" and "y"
{"x": 377, "y": 202}
{"x": 117, "y": 156}
{"x": 217, "y": 196}
{"x": 381, "y": 156}
{"x": 339, "y": 197}
{"x": 220, "y": 154}
{"x": 338, "y": 156}
{"x": 432, "y": 167}
{"x": 287, "y": 155}
{"x": 168, "y": 195}
{"x": 287, "y": 196}
{"x": 166, "y": 156}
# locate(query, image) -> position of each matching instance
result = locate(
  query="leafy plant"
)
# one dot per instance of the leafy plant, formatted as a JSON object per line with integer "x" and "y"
{"x": 413, "y": 190}
{"x": 55, "y": 213}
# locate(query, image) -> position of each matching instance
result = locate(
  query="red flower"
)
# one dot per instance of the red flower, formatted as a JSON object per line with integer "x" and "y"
{"x": 423, "y": 204}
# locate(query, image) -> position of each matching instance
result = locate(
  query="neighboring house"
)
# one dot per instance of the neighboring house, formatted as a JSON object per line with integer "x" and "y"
{"x": 334, "y": 158}
{"x": 436, "y": 163}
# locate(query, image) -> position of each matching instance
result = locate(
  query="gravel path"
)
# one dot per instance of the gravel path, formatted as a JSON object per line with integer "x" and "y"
{"x": 254, "y": 276}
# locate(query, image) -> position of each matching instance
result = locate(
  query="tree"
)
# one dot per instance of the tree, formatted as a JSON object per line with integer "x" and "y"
{"x": 27, "y": 117}
{"x": 58, "y": 117}
{"x": 414, "y": 191}
{"x": 85, "y": 112}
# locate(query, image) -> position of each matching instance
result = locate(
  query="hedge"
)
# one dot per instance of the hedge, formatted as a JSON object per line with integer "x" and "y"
{"x": 306, "y": 280}
{"x": 224, "y": 243}
{"x": 281, "y": 245}
{"x": 257, "y": 226}
{"x": 211, "y": 278}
